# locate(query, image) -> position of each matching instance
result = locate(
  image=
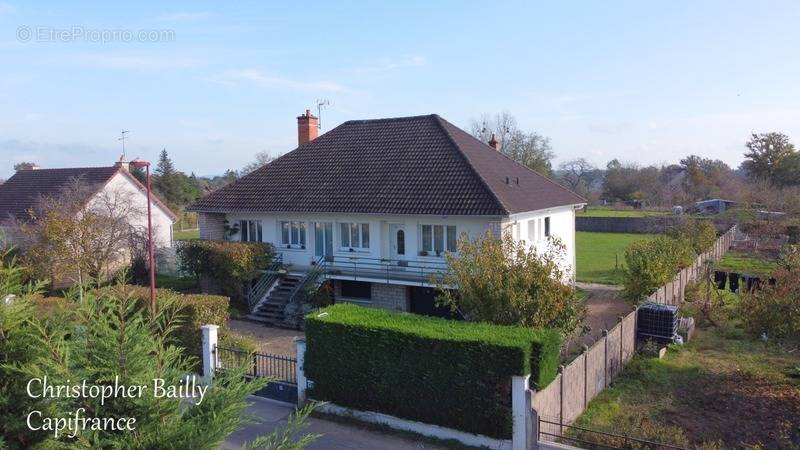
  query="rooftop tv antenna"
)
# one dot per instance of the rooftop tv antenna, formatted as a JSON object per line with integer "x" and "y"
{"x": 122, "y": 138}
{"x": 321, "y": 104}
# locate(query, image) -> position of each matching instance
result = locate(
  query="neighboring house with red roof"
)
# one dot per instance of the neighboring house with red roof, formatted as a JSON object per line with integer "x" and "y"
{"x": 20, "y": 193}
{"x": 377, "y": 203}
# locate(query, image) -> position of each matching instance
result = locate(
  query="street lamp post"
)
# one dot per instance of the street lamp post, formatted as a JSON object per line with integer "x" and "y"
{"x": 150, "y": 247}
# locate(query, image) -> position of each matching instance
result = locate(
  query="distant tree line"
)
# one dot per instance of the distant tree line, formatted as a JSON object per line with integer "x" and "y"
{"x": 769, "y": 176}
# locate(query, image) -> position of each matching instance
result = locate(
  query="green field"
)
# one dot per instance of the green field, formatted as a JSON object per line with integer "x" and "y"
{"x": 186, "y": 235}
{"x": 744, "y": 263}
{"x": 599, "y": 211}
{"x": 600, "y": 256}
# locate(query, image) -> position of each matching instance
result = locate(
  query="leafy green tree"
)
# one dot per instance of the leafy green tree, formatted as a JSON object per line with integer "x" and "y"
{"x": 772, "y": 157}
{"x": 528, "y": 148}
{"x": 19, "y": 345}
{"x": 115, "y": 338}
{"x": 177, "y": 188}
{"x": 704, "y": 177}
{"x": 649, "y": 264}
{"x": 505, "y": 282}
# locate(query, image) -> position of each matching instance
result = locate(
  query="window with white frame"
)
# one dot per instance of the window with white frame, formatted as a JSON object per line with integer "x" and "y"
{"x": 547, "y": 226}
{"x": 250, "y": 230}
{"x": 293, "y": 233}
{"x": 438, "y": 238}
{"x": 354, "y": 235}
{"x": 532, "y": 230}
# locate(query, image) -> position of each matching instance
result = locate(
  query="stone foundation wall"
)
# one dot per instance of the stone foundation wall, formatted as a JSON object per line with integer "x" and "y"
{"x": 386, "y": 296}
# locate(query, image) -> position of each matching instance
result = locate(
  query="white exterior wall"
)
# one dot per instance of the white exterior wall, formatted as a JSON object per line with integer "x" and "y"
{"x": 378, "y": 230}
{"x": 529, "y": 227}
{"x": 120, "y": 186}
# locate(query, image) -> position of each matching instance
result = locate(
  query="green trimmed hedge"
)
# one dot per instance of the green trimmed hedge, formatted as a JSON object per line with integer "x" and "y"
{"x": 199, "y": 309}
{"x": 437, "y": 371}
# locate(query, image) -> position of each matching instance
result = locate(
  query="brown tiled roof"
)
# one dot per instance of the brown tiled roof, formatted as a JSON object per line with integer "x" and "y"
{"x": 406, "y": 165}
{"x": 21, "y": 192}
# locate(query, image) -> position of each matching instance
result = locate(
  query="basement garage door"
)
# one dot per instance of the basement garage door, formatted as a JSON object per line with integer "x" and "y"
{"x": 423, "y": 301}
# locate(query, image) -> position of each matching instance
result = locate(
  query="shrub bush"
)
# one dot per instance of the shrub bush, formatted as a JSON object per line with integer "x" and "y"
{"x": 700, "y": 233}
{"x": 432, "y": 370}
{"x": 653, "y": 263}
{"x": 774, "y": 309}
{"x": 198, "y": 310}
{"x": 505, "y": 282}
{"x": 231, "y": 264}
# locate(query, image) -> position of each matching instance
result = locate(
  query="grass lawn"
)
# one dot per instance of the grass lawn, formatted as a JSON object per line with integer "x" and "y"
{"x": 599, "y": 211}
{"x": 723, "y": 387}
{"x": 180, "y": 284}
{"x": 744, "y": 263}
{"x": 186, "y": 235}
{"x": 600, "y": 256}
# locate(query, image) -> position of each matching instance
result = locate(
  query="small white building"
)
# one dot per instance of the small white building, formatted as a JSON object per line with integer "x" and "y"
{"x": 20, "y": 194}
{"x": 378, "y": 203}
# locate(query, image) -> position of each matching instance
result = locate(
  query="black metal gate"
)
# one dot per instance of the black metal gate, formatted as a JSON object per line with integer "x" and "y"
{"x": 282, "y": 370}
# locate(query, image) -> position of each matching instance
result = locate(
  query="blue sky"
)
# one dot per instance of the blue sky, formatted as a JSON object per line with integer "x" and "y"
{"x": 639, "y": 81}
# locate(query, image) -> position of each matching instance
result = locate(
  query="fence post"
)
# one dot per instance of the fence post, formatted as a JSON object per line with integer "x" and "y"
{"x": 302, "y": 382}
{"x": 619, "y": 318}
{"x": 532, "y": 427}
{"x": 209, "y": 345}
{"x": 561, "y": 401}
{"x": 605, "y": 359}
{"x": 585, "y": 375}
{"x": 519, "y": 404}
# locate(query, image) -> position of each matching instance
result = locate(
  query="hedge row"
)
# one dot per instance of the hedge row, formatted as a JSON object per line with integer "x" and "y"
{"x": 437, "y": 371}
{"x": 199, "y": 309}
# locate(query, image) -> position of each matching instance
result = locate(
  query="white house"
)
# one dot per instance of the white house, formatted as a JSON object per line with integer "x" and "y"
{"x": 104, "y": 185}
{"x": 377, "y": 203}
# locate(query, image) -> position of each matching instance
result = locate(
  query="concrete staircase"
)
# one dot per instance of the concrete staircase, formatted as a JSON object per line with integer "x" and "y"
{"x": 270, "y": 309}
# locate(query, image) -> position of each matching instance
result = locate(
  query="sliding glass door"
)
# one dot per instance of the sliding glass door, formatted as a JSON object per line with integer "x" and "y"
{"x": 323, "y": 238}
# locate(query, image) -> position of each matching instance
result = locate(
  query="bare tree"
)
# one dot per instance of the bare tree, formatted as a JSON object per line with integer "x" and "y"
{"x": 81, "y": 234}
{"x": 530, "y": 149}
{"x": 577, "y": 174}
{"x": 261, "y": 159}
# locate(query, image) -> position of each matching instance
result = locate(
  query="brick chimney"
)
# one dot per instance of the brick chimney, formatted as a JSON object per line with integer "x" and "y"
{"x": 493, "y": 143}
{"x": 307, "y": 128}
{"x": 123, "y": 164}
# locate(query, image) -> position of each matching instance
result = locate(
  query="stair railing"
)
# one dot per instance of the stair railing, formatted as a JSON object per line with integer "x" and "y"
{"x": 299, "y": 291}
{"x": 265, "y": 282}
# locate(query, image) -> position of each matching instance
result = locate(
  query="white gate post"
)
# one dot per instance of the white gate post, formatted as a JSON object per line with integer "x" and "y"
{"x": 301, "y": 374}
{"x": 520, "y": 412}
{"x": 209, "y": 351}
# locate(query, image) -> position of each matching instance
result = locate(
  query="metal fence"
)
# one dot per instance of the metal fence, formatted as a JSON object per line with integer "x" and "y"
{"x": 590, "y": 439}
{"x": 278, "y": 367}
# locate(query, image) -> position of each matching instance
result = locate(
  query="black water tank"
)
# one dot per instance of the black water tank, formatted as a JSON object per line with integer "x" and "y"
{"x": 657, "y": 322}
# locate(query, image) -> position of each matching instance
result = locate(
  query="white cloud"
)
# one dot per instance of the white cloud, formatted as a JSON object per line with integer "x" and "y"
{"x": 6, "y": 8}
{"x": 261, "y": 78}
{"x": 136, "y": 62}
{"x": 386, "y": 65}
{"x": 183, "y": 16}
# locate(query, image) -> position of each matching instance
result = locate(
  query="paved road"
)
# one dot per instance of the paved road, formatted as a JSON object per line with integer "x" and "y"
{"x": 335, "y": 436}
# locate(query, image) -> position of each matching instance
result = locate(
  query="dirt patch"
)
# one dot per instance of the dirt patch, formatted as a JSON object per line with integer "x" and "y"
{"x": 277, "y": 341}
{"x": 740, "y": 409}
{"x": 604, "y": 306}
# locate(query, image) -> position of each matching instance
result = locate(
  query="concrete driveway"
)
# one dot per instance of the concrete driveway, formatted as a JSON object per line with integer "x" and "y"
{"x": 335, "y": 436}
